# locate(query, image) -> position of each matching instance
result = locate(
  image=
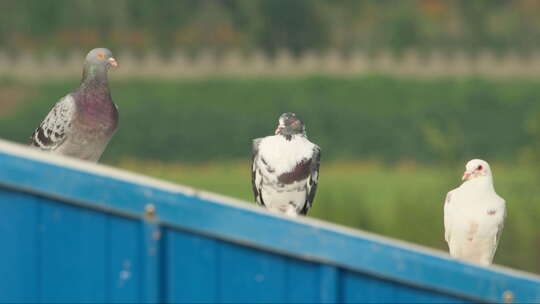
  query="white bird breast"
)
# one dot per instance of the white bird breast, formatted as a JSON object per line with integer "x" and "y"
{"x": 282, "y": 154}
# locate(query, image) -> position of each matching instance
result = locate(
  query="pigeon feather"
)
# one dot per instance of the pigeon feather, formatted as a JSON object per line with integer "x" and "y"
{"x": 53, "y": 131}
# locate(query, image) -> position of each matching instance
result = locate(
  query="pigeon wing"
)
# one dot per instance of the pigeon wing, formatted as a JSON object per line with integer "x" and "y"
{"x": 52, "y": 132}
{"x": 256, "y": 177}
{"x": 448, "y": 216}
{"x": 311, "y": 186}
{"x": 498, "y": 234}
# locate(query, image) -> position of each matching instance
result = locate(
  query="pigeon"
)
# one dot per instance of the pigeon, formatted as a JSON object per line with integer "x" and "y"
{"x": 82, "y": 123}
{"x": 474, "y": 215}
{"x": 285, "y": 168}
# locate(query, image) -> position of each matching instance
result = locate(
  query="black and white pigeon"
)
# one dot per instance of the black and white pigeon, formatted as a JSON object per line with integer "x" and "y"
{"x": 82, "y": 123}
{"x": 285, "y": 168}
{"x": 474, "y": 215}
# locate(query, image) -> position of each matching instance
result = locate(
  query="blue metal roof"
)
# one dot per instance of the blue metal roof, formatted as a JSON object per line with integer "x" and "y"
{"x": 74, "y": 231}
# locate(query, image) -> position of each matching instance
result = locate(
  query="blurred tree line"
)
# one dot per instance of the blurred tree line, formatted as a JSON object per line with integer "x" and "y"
{"x": 299, "y": 25}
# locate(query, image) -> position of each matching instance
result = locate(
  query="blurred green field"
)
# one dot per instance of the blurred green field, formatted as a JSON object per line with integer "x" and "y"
{"x": 403, "y": 201}
{"x": 373, "y": 117}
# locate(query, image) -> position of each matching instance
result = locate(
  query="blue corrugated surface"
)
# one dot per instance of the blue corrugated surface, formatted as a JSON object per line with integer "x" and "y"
{"x": 73, "y": 232}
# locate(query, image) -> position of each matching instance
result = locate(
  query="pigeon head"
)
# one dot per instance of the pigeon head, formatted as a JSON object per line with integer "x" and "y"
{"x": 101, "y": 57}
{"x": 476, "y": 168}
{"x": 290, "y": 124}
{"x": 98, "y": 61}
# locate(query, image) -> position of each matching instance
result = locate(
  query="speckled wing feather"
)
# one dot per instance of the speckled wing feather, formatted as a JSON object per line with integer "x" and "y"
{"x": 313, "y": 180}
{"x": 52, "y": 132}
{"x": 256, "y": 178}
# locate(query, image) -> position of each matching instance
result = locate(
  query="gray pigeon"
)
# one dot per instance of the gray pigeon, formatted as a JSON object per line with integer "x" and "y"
{"x": 285, "y": 168}
{"x": 82, "y": 123}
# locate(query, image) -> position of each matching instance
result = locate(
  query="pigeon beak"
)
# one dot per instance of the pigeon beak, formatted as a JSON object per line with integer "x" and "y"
{"x": 466, "y": 175}
{"x": 278, "y": 129}
{"x": 113, "y": 62}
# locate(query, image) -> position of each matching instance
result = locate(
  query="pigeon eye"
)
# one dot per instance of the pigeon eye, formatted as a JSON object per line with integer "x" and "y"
{"x": 101, "y": 55}
{"x": 479, "y": 167}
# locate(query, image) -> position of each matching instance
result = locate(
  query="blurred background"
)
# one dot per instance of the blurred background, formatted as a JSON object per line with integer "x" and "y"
{"x": 399, "y": 95}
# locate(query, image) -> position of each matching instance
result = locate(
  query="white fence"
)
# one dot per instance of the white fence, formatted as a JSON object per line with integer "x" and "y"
{"x": 256, "y": 64}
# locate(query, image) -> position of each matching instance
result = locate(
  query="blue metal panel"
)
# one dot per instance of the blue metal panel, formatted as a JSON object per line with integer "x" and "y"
{"x": 196, "y": 261}
{"x": 251, "y": 275}
{"x": 125, "y": 260}
{"x": 304, "y": 282}
{"x": 19, "y": 280}
{"x": 193, "y": 268}
{"x": 86, "y": 238}
{"x": 72, "y": 254}
{"x": 151, "y": 252}
{"x": 357, "y": 287}
{"x": 329, "y": 283}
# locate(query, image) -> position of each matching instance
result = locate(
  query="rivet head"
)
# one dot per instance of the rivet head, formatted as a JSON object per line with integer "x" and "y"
{"x": 508, "y": 296}
{"x": 150, "y": 210}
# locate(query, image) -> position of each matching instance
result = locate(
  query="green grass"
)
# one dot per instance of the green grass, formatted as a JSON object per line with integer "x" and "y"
{"x": 370, "y": 117}
{"x": 403, "y": 201}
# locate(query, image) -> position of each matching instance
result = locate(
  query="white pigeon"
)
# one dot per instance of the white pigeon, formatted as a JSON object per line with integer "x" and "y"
{"x": 285, "y": 168}
{"x": 474, "y": 215}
